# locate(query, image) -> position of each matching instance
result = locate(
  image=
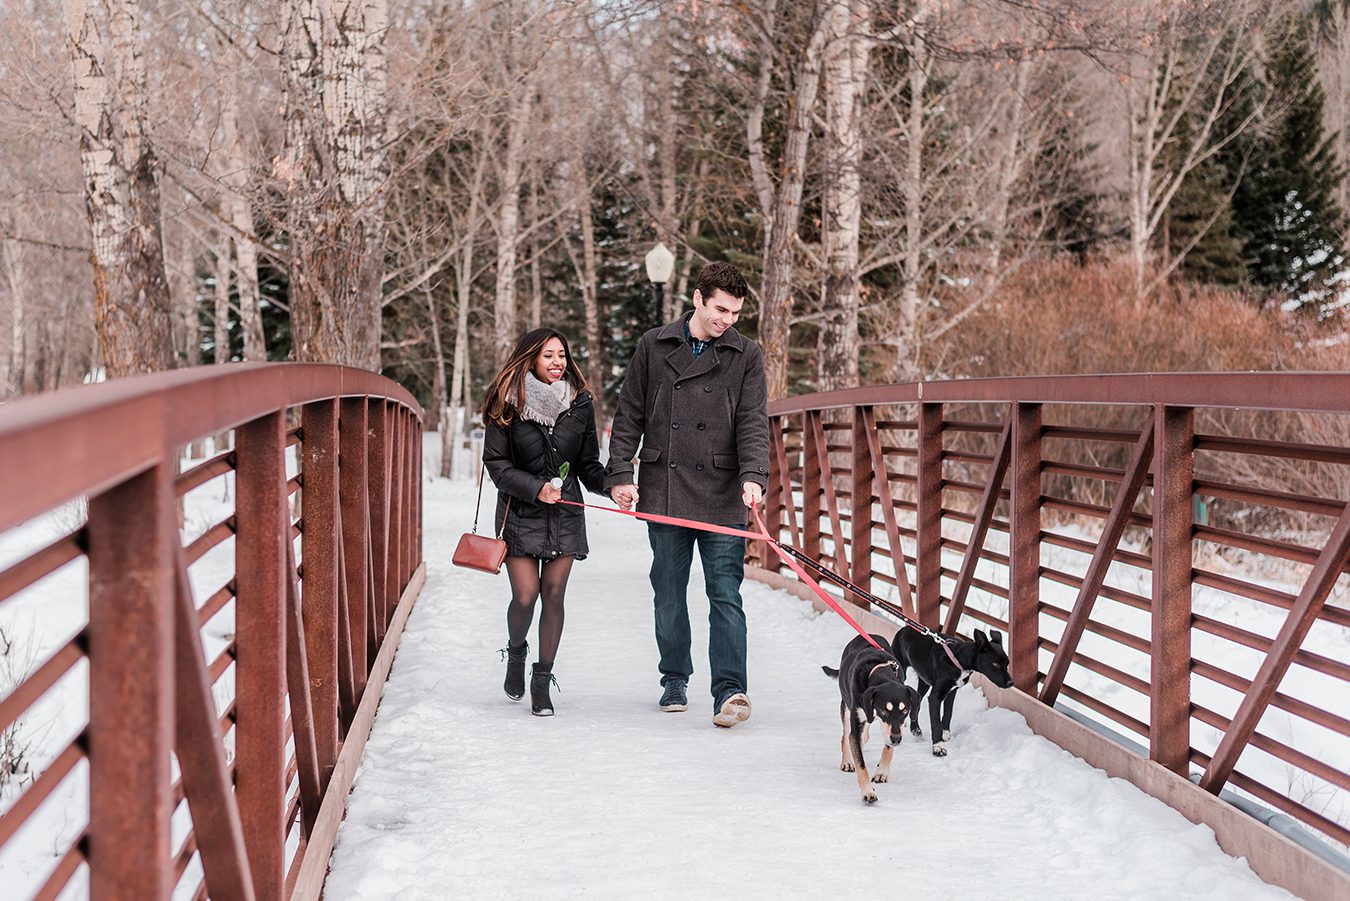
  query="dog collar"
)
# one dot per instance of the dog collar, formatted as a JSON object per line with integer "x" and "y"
{"x": 891, "y": 663}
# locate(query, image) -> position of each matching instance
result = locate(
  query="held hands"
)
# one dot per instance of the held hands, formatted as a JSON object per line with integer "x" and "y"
{"x": 625, "y": 496}
{"x": 752, "y": 494}
{"x": 549, "y": 495}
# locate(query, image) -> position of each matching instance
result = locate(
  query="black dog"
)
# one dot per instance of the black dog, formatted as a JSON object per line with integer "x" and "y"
{"x": 936, "y": 671}
{"x": 870, "y": 686}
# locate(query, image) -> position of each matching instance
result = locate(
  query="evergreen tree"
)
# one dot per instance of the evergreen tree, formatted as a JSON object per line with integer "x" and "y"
{"x": 1199, "y": 224}
{"x": 1285, "y": 209}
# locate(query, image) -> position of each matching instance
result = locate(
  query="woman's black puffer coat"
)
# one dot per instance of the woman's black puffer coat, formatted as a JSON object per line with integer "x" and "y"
{"x": 525, "y": 460}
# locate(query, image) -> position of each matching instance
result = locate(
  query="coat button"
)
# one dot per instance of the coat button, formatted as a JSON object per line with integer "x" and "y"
{"x": 699, "y": 467}
{"x": 678, "y": 386}
{"x": 701, "y": 426}
{"x": 707, "y": 389}
{"x": 674, "y": 425}
{"x": 672, "y": 464}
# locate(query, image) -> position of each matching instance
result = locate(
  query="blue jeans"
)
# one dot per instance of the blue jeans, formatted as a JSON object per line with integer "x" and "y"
{"x": 723, "y": 569}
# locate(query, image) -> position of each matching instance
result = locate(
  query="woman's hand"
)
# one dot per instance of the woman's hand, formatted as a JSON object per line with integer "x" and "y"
{"x": 549, "y": 495}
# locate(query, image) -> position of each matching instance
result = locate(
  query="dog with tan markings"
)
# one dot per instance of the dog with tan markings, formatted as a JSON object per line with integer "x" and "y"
{"x": 870, "y": 687}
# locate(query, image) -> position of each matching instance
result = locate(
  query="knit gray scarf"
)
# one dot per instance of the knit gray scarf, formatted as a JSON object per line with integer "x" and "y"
{"x": 545, "y": 403}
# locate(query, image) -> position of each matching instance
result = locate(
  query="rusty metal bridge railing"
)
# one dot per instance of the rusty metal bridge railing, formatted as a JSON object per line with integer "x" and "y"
{"x": 1111, "y": 525}
{"x": 224, "y": 725}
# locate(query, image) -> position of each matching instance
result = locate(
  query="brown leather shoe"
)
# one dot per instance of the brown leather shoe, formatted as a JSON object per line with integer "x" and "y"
{"x": 734, "y": 709}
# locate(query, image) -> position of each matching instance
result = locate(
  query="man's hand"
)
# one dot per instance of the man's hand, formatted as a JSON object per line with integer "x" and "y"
{"x": 549, "y": 495}
{"x": 752, "y": 494}
{"x": 624, "y": 495}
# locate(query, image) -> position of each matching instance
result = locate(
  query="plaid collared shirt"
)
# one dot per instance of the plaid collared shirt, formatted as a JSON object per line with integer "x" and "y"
{"x": 695, "y": 345}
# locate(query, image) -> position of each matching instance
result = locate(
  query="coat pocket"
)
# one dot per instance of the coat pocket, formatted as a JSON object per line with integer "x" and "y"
{"x": 725, "y": 461}
{"x": 649, "y": 454}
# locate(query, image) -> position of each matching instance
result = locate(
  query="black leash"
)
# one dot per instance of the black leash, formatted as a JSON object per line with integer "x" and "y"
{"x": 884, "y": 604}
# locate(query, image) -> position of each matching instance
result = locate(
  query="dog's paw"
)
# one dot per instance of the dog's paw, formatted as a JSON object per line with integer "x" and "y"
{"x": 939, "y": 750}
{"x": 870, "y": 798}
{"x": 846, "y": 767}
{"x": 946, "y": 735}
{"x": 881, "y": 777}
{"x": 915, "y": 730}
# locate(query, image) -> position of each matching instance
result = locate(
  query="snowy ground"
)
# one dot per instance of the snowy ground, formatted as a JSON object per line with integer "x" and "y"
{"x": 463, "y": 793}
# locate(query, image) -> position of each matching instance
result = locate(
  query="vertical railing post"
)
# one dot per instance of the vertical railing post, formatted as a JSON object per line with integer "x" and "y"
{"x": 377, "y": 484}
{"x": 863, "y": 489}
{"x": 395, "y": 444}
{"x": 355, "y": 504}
{"x": 131, "y": 694}
{"x": 412, "y": 440}
{"x": 1170, "y": 672}
{"x": 397, "y": 461}
{"x": 775, "y": 500}
{"x": 263, "y": 517}
{"x": 812, "y": 469}
{"x": 928, "y": 554}
{"x": 417, "y": 508}
{"x": 319, "y": 589}
{"x": 1024, "y": 567}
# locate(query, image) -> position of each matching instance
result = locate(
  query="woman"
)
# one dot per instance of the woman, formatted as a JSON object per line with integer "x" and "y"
{"x": 539, "y": 418}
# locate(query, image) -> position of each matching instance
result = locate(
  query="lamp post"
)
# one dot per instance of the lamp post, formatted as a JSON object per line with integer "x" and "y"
{"x": 660, "y": 264}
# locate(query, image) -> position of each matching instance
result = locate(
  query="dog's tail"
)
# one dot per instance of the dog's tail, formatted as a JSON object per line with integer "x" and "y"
{"x": 831, "y": 672}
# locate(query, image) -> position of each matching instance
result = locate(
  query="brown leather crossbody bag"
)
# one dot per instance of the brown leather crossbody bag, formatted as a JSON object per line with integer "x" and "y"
{"x": 482, "y": 552}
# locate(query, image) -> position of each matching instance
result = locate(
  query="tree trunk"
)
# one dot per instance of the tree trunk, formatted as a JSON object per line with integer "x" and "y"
{"x": 784, "y": 215}
{"x": 222, "y": 352}
{"x": 666, "y": 146}
{"x": 459, "y": 378}
{"x": 580, "y": 189}
{"x": 911, "y": 309}
{"x": 336, "y": 100}
{"x": 845, "y": 82}
{"x": 132, "y": 309}
{"x": 438, "y": 403}
{"x": 183, "y": 290}
{"x": 12, "y": 262}
{"x": 241, "y": 221}
{"x": 536, "y": 280}
{"x": 508, "y": 229}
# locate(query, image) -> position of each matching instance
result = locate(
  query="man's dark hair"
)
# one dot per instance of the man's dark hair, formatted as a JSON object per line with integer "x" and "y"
{"x": 721, "y": 276}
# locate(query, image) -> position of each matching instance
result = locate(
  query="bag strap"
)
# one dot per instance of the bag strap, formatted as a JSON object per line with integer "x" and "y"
{"x": 482, "y": 465}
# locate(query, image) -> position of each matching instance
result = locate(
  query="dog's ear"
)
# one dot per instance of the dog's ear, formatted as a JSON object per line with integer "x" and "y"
{"x": 995, "y": 637}
{"x": 980, "y": 638}
{"x": 869, "y": 700}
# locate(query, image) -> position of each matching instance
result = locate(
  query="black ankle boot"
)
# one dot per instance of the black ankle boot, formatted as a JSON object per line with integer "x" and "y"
{"x": 540, "y": 703}
{"x": 515, "y": 669}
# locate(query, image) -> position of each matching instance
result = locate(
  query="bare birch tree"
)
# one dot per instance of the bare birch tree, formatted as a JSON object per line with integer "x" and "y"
{"x": 335, "y": 171}
{"x": 780, "y": 203}
{"x": 508, "y": 221}
{"x": 12, "y": 266}
{"x": 133, "y": 309}
{"x": 846, "y": 59}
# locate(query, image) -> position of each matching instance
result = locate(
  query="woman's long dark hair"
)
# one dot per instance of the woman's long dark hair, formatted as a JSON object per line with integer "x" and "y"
{"x": 506, "y": 394}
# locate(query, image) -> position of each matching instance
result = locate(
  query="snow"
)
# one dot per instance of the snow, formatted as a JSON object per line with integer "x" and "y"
{"x": 462, "y": 793}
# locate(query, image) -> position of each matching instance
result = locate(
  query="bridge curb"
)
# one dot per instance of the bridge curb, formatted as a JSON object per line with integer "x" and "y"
{"x": 309, "y": 882}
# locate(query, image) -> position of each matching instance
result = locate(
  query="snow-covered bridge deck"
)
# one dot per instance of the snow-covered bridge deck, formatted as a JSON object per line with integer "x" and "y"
{"x": 464, "y": 794}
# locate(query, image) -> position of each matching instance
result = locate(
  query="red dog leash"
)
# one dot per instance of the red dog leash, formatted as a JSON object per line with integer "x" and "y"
{"x": 761, "y": 535}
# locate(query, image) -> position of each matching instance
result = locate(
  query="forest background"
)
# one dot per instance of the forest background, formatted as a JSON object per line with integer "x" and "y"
{"x": 919, "y": 189}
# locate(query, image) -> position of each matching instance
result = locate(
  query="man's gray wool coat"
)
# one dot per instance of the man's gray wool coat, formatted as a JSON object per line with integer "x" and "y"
{"x": 702, "y": 423}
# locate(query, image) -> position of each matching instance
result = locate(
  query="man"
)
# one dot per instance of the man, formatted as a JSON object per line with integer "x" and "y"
{"x": 694, "y": 396}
